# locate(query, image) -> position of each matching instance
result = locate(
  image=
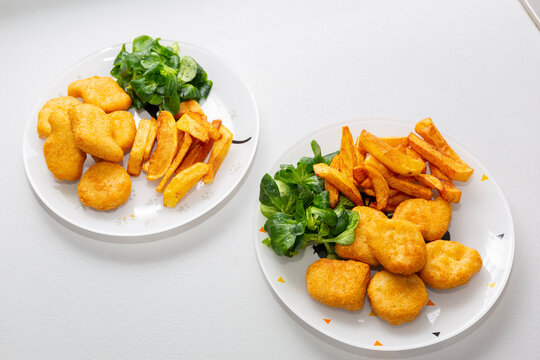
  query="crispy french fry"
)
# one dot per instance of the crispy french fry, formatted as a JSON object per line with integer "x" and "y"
{"x": 347, "y": 154}
{"x": 213, "y": 132}
{"x": 190, "y": 105}
{"x": 333, "y": 192}
{"x": 188, "y": 123}
{"x": 393, "y": 202}
{"x": 395, "y": 141}
{"x": 430, "y": 181}
{"x": 151, "y": 139}
{"x": 137, "y": 150}
{"x": 360, "y": 154}
{"x": 380, "y": 187}
{"x": 339, "y": 180}
{"x": 427, "y": 129}
{"x": 390, "y": 156}
{"x": 181, "y": 183}
{"x": 191, "y": 156}
{"x": 451, "y": 168}
{"x": 360, "y": 175}
{"x": 145, "y": 166}
{"x": 449, "y": 192}
{"x": 166, "y": 148}
{"x": 217, "y": 155}
{"x": 182, "y": 150}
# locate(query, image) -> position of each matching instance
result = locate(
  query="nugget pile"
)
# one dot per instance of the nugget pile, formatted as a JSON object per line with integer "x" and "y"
{"x": 165, "y": 148}
{"x": 404, "y": 213}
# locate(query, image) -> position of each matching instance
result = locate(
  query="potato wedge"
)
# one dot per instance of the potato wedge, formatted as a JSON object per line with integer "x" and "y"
{"x": 138, "y": 148}
{"x": 347, "y": 155}
{"x": 190, "y": 105}
{"x": 451, "y": 168}
{"x": 212, "y": 131}
{"x": 181, "y": 183}
{"x": 166, "y": 148}
{"x": 393, "y": 202}
{"x": 182, "y": 150}
{"x": 395, "y": 141}
{"x": 427, "y": 129}
{"x": 151, "y": 139}
{"x": 188, "y": 123}
{"x": 360, "y": 154}
{"x": 333, "y": 192}
{"x": 430, "y": 181}
{"x": 339, "y": 180}
{"x": 390, "y": 156}
{"x": 380, "y": 187}
{"x": 360, "y": 176}
{"x": 449, "y": 192}
{"x": 198, "y": 151}
{"x": 218, "y": 153}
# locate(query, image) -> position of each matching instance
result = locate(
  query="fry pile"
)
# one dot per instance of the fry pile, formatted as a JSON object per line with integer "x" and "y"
{"x": 180, "y": 150}
{"x": 394, "y": 169}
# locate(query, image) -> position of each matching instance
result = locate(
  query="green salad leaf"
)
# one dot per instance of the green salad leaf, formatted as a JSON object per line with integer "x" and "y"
{"x": 298, "y": 210}
{"x": 154, "y": 75}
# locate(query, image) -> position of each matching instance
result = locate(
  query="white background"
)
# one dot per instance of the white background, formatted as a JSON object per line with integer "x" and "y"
{"x": 473, "y": 66}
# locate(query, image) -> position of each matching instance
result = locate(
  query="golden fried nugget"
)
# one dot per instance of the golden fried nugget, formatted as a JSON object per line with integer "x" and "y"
{"x": 397, "y": 244}
{"x": 63, "y": 103}
{"x": 338, "y": 283}
{"x": 359, "y": 249}
{"x": 123, "y": 129}
{"x": 101, "y": 91}
{"x": 449, "y": 264}
{"x": 105, "y": 186}
{"x": 64, "y": 159}
{"x": 431, "y": 216}
{"x": 93, "y": 132}
{"x": 397, "y": 298}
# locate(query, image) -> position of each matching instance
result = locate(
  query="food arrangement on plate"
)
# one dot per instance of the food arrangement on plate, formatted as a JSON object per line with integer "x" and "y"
{"x": 172, "y": 147}
{"x": 373, "y": 205}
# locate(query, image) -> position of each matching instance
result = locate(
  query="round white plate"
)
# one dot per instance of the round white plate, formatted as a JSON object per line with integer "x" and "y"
{"x": 481, "y": 220}
{"x": 144, "y": 214}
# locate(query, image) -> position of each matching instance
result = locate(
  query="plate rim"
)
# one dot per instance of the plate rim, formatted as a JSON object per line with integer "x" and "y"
{"x": 30, "y": 122}
{"x": 301, "y": 315}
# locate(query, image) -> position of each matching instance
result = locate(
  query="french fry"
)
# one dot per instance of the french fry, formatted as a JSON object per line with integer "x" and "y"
{"x": 449, "y": 192}
{"x": 137, "y": 150}
{"x": 151, "y": 139}
{"x": 333, "y": 192}
{"x": 186, "y": 143}
{"x": 380, "y": 187}
{"x": 190, "y": 105}
{"x": 427, "y": 129}
{"x": 217, "y": 155}
{"x": 339, "y": 180}
{"x": 430, "y": 181}
{"x": 212, "y": 131}
{"x": 361, "y": 177}
{"x": 392, "y": 158}
{"x": 360, "y": 154}
{"x": 181, "y": 183}
{"x": 395, "y": 141}
{"x": 166, "y": 148}
{"x": 198, "y": 151}
{"x": 451, "y": 168}
{"x": 188, "y": 123}
{"x": 347, "y": 154}
{"x": 393, "y": 202}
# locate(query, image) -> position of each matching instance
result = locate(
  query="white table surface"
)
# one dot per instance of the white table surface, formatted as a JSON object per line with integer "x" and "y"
{"x": 473, "y": 66}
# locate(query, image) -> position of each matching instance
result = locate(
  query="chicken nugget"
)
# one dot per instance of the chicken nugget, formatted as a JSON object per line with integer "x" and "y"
{"x": 101, "y": 91}
{"x": 93, "y": 132}
{"x": 104, "y": 186}
{"x": 449, "y": 264}
{"x": 397, "y": 244}
{"x": 123, "y": 129}
{"x": 431, "y": 216}
{"x": 359, "y": 249}
{"x": 397, "y": 298}
{"x": 62, "y": 103}
{"x": 338, "y": 283}
{"x": 64, "y": 159}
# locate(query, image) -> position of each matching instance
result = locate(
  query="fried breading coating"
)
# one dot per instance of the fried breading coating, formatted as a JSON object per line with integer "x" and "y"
{"x": 338, "y": 283}
{"x": 397, "y": 244}
{"x": 359, "y": 249}
{"x": 431, "y": 216}
{"x": 93, "y": 132}
{"x": 449, "y": 264}
{"x": 64, "y": 159}
{"x": 62, "y": 103}
{"x": 104, "y": 186}
{"x": 101, "y": 91}
{"x": 397, "y": 298}
{"x": 123, "y": 129}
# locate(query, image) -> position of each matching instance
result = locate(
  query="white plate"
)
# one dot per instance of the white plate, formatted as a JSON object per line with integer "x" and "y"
{"x": 482, "y": 221}
{"x": 144, "y": 214}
